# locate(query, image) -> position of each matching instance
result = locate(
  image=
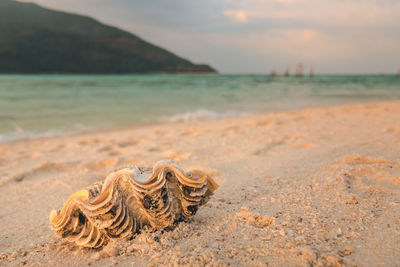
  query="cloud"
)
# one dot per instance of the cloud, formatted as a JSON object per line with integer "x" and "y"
{"x": 236, "y": 15}
{"x": 348, "y": 14}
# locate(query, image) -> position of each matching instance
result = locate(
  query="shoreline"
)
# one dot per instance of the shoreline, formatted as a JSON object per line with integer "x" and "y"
{"x": 314, "y": 186}
{"x": 169, "y": 122}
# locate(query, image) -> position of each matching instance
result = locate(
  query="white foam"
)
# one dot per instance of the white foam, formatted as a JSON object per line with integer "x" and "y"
{"x": 204, "y": 114}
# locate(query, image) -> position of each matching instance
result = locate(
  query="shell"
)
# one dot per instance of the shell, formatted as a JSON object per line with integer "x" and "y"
{"x": 129, "y": 200}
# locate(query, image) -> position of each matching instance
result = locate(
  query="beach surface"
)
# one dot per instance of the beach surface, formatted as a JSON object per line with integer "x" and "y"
{"x": 317, "y": 186}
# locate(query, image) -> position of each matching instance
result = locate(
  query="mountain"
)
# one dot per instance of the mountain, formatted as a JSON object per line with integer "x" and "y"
{"x": 34, "y": 39}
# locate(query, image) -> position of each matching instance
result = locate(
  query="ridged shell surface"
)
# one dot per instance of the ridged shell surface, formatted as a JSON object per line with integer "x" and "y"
{"x": 130, "y": 199}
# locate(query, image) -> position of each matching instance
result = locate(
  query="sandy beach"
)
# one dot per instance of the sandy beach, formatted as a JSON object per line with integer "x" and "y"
{"x": 317, "y": 186}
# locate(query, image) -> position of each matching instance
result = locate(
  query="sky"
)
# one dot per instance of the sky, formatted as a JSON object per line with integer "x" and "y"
{"x": 260, "y": 36}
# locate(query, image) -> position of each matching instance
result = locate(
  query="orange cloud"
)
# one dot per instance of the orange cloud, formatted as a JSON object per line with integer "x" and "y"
{"x": 237, "y": 15}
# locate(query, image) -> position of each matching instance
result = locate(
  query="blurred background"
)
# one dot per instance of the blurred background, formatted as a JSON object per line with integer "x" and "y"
{"x": 70, "y": 66}
{"x": 259, "y": 36}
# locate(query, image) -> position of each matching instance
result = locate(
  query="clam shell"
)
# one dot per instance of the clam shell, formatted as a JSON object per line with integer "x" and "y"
{"x": 130, "y": 199}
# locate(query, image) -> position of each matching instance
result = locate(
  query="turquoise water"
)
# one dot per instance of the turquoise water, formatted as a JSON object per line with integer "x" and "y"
{"x": 44, "y": 105}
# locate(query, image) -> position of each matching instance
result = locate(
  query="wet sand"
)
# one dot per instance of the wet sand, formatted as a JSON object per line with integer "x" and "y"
{"x": 317, "y": 186}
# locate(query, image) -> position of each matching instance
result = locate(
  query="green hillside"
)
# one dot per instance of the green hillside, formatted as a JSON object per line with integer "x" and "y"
{"x": 34, "y": 39}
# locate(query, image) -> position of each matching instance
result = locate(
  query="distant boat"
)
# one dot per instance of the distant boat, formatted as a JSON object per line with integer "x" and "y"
{"x": 286, "y": 73}
{"x": 299, "y": 70}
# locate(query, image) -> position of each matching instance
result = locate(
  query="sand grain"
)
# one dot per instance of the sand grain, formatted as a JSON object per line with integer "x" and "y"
{"x": 318, "y": 186}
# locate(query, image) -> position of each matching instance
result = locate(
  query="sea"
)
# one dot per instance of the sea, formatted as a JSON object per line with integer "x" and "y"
{"x": 34, "y": 106}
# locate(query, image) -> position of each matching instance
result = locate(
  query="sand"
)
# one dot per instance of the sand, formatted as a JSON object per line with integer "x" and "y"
{"x": 318, "y": 186}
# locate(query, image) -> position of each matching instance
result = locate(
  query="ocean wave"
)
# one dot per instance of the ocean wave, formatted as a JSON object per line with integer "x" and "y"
{"x": 201, "y": 114}
{"x": 20, "y": 134}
